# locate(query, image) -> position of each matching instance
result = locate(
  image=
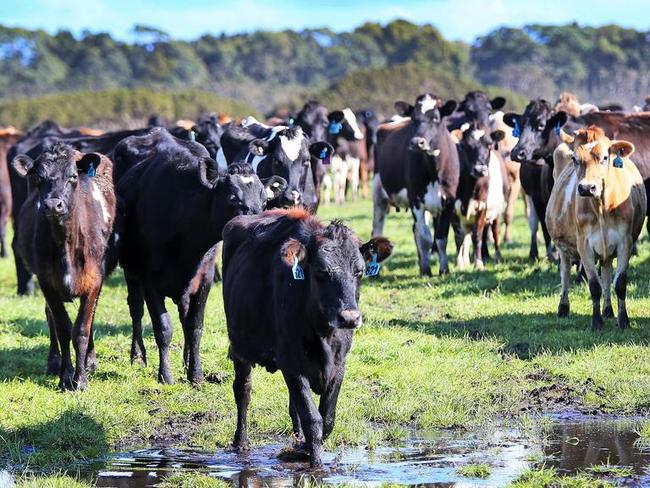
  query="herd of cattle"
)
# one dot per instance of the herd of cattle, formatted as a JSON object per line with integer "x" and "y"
{"x": 158, "y": 201}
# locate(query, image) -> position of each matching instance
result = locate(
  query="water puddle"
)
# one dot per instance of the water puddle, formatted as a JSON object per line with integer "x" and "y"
{"x": 571, "y": 443}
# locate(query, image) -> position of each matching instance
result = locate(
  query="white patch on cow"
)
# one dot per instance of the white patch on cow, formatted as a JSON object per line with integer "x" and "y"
{"x": 38, "y": 204}
{"x": 477, "y": 134}
{"x": 67, "y": 280}
{"x": 589, "y": 146}
{"x": 116, "y": 238}
{"x": 269, "y": 193}
{"x": 433, "y": 199}
{"x": 247, "y": 180}
{"x": 464, "y": 127}
{"x": 610, "y": 236}
{"x": 291, "y": 147}
{"x": 398, "y": 119}
{"x": 250, "y": 120}
{"x": 274, "y": 133}
{"x": 352, "y": 120}
{"x": 97, "y": 195}
{"x": 222, "y": 163}
{"x": 436, "y": 152}
{"x": 427, "y": 104}
{"x": 401, "y": 199}
{"x": 496, "y": 202}
{"x": 423, "y": 239}
{"x": 569, "y": 192}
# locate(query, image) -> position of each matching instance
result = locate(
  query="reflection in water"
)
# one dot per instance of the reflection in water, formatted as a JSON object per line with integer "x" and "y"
{"x": 572, "y": 444}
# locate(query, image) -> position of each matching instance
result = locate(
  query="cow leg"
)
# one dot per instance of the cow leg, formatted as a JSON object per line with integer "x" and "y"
{"x": 620, "y": 282}
{"x": 193, "y": 330}
{"x": 551, "y": 252}
{"x": 81, "y": 336}
{"x": 327, "y": 188}
{"x": 25, "y": 279}
{"x": 63, "y": 332}
{"x": 217, "y": 273}
{"x": 380, "y": 206}
{"x": 355, "y": 164}
{"x": 328, "y": 401}
{"x": 442, "y": 233}
{"x": 606, "y": 281}
{"x": 3, "y": 238}
{"x": 497, "y": 241}
{"x": 310, "y": 417}
{"x": 91, "y": 354}
{"x": 241, "y": 388}
{"x": 296, "y": 425}
{"x": 533, "y": 223}
{"x": 423, "y": 240}
{"x": 565, "y": 274}
{"x": 364, "y": 174}
{"x": 135, "y": 299}
{"x": 595, "y": 288}
{"x": 477, "y": 240}
{"x": 162, "y": 329}
{"x": 463, "y": 252}
{"x": 54, "y": 356}
{"x": 515, "y": 188}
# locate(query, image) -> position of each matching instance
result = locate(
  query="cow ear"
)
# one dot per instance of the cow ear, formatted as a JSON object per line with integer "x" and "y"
{"x": 566, "y": 138}
{"x": 22, "y": 164}
{"x": 336, "y": 116}
{"x": 208, "y": 172}
{"x": 321, "y": 150}
{"x": 448, "y": 108}
{"x": 380, "y": 246}
{"x": 291, "y": 250}
{"x": 404, "y": 109}
{"x": 89, "y": 163}
{"x": 274, "y": 186}
{"x": 497, "y": 102}
{"x": 497, "y": 135}
{"x": 259, "y": 147}
{"x": 511, "y": 119}
{"x": 558, "y": 119}
{"x": 622, "y": 148}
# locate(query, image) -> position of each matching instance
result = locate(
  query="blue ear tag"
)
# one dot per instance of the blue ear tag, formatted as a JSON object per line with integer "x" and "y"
{"x": 373, "y": 267}
{"x": 335, "y": 127}
{"x": 292, "y": 122}
{"x": 296, "y": 269}
{"x": 557, "y": 129}
{"x": 516, "y": 131}
{"x": 91, "y": 170}
{"x": 323, "y": 153}
{"x": 618, "y": 160}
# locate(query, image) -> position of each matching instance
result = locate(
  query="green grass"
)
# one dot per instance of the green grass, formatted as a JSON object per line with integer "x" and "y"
{"x": 481, "y": 471}
{"x": 453, "y": 351}
{"x": 193, "y": 480}
{"x": 549, "y": 478}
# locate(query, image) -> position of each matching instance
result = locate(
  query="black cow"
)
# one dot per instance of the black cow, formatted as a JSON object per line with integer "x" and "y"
{"x": 418, "y": 168}
{"x": 64, "y": 232}
{"x": 369, "y": 124}
{"x": 538, "y": 130}
{"x": 476, "y": 109}
{"x": 207, "y": 131}
{"x": 275, "y": 151}
{"x": 175, "y": 205}
{"x": 304, "y": 280}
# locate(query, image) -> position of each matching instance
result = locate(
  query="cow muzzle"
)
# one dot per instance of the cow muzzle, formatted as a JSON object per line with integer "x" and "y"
{"x": 419, "y": 144}
{"x": 480, "y": 170}
{"x": 588, "y": 190}
{"x": 55, "y": 207}
{"x": 349, "y": 319}
{"x": 295, "y": 197}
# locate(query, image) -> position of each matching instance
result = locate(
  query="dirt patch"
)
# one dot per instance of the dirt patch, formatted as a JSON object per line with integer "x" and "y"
{"x": 557, "y": 395}
{"x": 178, "y": 430}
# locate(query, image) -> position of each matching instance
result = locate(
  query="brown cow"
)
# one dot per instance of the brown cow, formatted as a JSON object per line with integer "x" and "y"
{"x": 595, "y": 212}
{"x": 64, "y": 232}
{"x": 8, "y": 137}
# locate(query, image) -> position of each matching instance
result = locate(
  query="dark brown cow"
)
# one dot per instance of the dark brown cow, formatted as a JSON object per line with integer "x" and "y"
{"x": 66, "y": 224}
{"x": 8, "y": 137}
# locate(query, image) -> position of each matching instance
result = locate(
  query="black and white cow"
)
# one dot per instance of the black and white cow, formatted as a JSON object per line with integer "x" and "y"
{"x": 275, "y": 151}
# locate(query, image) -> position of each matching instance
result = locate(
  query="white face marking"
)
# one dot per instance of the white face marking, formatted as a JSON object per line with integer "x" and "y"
{"x": 477, "y": 134}
{"x": 397, "y": 119}
{"x": 97, "y": 195}
{"x": 464, "y": 127}
{"x": 496, "y": 202}
{"x": 352, "y": 120}
{"x": 269, "y": 193}
{"x": 569, "y": 191}
{"x": 274, "y": 133}
{"x": 246, "y": 179}
{"x": 436, "y": 152}
{"x": 590, "y": 145}
{"x": 291, "y": 147}
{"x": 427, "y": 104}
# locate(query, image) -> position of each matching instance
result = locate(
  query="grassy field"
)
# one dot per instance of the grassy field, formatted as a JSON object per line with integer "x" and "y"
{"x": 454, "y": 351}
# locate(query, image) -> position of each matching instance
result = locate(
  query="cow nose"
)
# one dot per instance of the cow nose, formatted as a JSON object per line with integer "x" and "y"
{"x": 350, "y": 319}
{"x": 419, "y": 143}
{"x": 519, "y": 155}
{"x": 54, "y": 206}
{"x": 586, "y": 189}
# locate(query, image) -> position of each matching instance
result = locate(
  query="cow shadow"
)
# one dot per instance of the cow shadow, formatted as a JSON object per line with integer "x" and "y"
{"x": 62, "y": 443}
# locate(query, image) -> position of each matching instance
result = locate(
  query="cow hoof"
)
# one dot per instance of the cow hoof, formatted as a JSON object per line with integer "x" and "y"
{"x": 165, "y": 377}
{"x": 138, "y": 354}
{"x": 427, "y": 273}
{"x": 54, "y": 364}
{"x": 195, "y": 378}
{"x": 240, "y": 447}
{"x": 294, "y": 454}
{"x": 66, "y": 381}
{"x": 608, "y": 312}
{"x": 479, "y": 266}
{"x": 91, "y": 362}
{"x": 563, "y": 310}
{"x": 498, "y": 258}
{"x": 623, "y": 321}
{"x": 596, "y": 324}
{"x": 80, "y": 382}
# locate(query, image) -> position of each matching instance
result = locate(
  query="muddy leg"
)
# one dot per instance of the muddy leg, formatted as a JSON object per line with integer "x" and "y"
{"x": 295, "y": 424}
{"x": 310, "y": 417}
{"x": 327, "y": 406}
{"x": 193, "y": 330}
{"x": 241, "y": 387}
{"x": 162, "y": 329}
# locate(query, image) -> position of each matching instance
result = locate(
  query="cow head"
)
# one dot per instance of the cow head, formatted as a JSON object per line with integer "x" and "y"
{"x": 208, "y": 132}
{"x": 478, "y": 109}
{"x": 313, "y": 120}
{"x": 333, "y": 262}
{"x": 427, "y": 115}
{"x": 343, "y": 123}
{"x": 369, "y": 120}
{"x": 55, "y": 176}
{"x": 593, "y": 157}
{"x": 288, "y": 155}
{"x": 537, "y": 129}
{"x": 239, "y": 191}
{"x": 476, "y": 146}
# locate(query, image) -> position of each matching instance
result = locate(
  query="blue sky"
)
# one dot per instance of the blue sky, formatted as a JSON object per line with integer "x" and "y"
{"x": 187, "y": 19}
